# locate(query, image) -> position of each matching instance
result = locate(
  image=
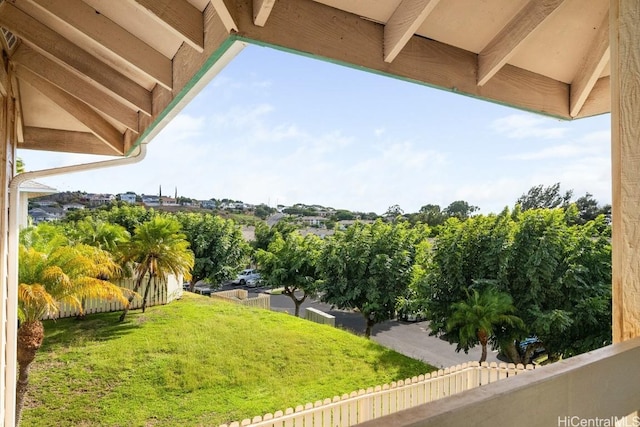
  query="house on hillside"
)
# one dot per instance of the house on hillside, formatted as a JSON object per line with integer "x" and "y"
{"x": 127, "y": 197}
{"x": 150, "y": 200}
{"x": 72, "y": 207}
{"x": 100, "y": 199}
{"x": 208, "y": 204}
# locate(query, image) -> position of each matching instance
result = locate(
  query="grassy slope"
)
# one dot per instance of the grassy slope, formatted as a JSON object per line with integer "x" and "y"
{"x": 197, "y": 362}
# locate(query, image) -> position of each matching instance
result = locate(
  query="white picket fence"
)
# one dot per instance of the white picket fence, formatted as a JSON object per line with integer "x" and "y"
{"x": 241, "y": 296}
{"x": 160, "y": 294}
{"x": 363, "y": 405}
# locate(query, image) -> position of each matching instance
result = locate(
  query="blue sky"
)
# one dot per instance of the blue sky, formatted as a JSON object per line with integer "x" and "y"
{"x": 274, "y": 127}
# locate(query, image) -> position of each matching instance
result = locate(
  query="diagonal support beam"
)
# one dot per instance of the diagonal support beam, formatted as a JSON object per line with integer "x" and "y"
{"x": 261, "y": 11}
{"x": 63, "y": 141}
{"x": 48, "y": 42}
{"x": 504, "y": 45}
{"x": 179, "y": 17}
{"x": 83, "y": 113}
{"x": 591, "y": 69}
{"x": 72, "y": 83}
{"x": 225, "y": 15}
{"x": 403, "y": 24}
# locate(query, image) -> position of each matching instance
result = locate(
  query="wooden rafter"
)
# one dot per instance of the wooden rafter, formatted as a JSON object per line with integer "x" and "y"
{"x": 84, "y": 114}
{"x": 225, "y": 15}
{"x": 63, "y": 141}
{"x": 591, "y": 69}
{"x": 177, "y": 16}
{"x": 599, "y": 99}
{"x": 505, "y": 44}
{"x": 46, "y": 41}
{"x": 261, "y": 11}
{"x": 403, "y": 24}
{"x": 423, "y": 61}
{"x": 73, "y": 84}
{"x": 110, "y": 36}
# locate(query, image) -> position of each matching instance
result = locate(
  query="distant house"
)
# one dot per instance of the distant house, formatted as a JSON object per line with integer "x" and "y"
{"x": 313, "y": 221}
{"x": 72, "y": 207}
{"x": 208, "y": 204}
{"x": 39, "y": 215}
{"x": 100, "y": 199}
{"x": 168, "y": 201}
{"x": 150, "y": 200}
{"x": 127, "y": 197}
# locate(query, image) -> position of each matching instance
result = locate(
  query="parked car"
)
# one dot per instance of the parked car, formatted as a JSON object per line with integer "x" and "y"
{"x": 247, "y": 276}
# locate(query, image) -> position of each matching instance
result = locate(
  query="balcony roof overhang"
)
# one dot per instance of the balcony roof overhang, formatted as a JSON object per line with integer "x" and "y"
{"x": 99, "y": 77}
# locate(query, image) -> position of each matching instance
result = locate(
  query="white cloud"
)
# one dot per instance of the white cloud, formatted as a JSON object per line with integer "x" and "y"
{"x": 521, "y": 126}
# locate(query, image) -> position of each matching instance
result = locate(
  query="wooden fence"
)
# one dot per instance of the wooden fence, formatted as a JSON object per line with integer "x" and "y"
{"x": 363, "y": 405}
{"x": 160, "y": 294}
{"x": 318, "y": 316}
{"x": 241, "y": 296}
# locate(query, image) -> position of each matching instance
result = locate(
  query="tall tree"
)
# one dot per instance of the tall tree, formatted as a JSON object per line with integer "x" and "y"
{"x": 459, "y": 209}
{"x": 67, "y": 274}
{"x": 157, "y": 248}
{"x": 218, "y": 246}
{"x": 541, "y": 197}
{"x": 290, "y": 263}
{"x": 476, "y": 319}
{"x": 367, "y": 267}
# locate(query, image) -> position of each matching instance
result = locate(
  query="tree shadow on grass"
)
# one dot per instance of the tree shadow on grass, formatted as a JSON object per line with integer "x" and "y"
{"x": 407, "y": 367}
{"x": 94, "y": 327}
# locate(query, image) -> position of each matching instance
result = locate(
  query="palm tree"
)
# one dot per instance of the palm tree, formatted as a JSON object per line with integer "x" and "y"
{"x": 158, "y": 249}
{"x": 477, "y": 318}
{"x": 45, "y": 280}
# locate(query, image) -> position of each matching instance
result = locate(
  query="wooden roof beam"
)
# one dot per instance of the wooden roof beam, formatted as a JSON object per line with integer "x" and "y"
{"x": 178, "y": 17}
{"x": 225, "y": 15}
{"x": 84, "y": 114}
{"x": 591, "y": 69}
{"x": 599, "y": 99}
{"x": 506, "y": 43}
{"x": 403, "y": 24}
{"x": 63, "y": 141}
{"x": 51, "y": 44}
{"x": 261, "y": 11}
{"x": 103, "y": 32}
{"x": 424, "y": 61}
{"x": 73, "y": 84}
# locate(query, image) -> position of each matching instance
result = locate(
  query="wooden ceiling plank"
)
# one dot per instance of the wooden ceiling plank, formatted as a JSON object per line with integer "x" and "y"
{"x": 591, "y": 69}
{"x": 179, "y": 17}
{"x": 599, "y": 99}
{"x": 65, "y": 141}
{"x": 403, "y": 24}
{"x": 84, "y": 114}
{"x": 261, "y": 11}
{"x": 49, "y": 43}
{"x": 424, "y": 61}
{"x": 225, "y": 15}
{"x": 73, "y": 84}
{"x": 505, "y": 44}
{"x": 111, "y": 36}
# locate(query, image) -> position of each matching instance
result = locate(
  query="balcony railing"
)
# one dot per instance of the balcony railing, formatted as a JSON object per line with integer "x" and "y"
{"x": 599, "y": 388}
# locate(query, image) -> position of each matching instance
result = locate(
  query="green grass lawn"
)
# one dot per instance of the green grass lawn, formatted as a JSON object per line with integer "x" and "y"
{"x": 197, "y": 362}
